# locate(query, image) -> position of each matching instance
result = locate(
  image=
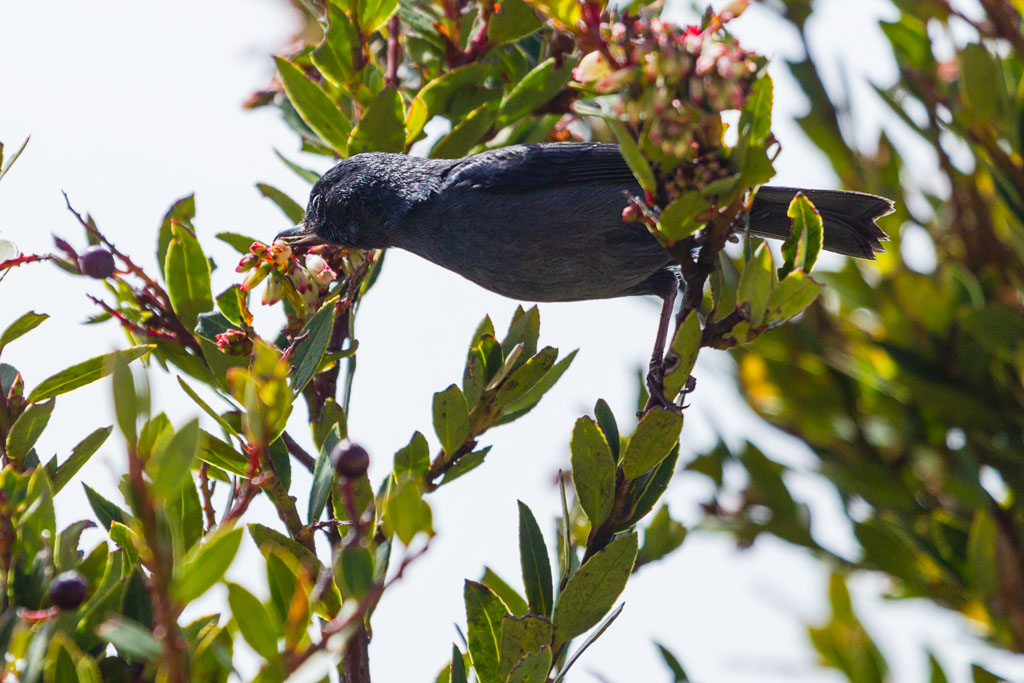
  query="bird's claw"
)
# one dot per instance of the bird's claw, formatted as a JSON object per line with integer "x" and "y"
{"x": 656, "y": 391}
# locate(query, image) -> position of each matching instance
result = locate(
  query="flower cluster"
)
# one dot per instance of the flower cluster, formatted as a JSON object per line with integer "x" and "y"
{"x": 674, "y": 81}
{"x": 303, "y": 283}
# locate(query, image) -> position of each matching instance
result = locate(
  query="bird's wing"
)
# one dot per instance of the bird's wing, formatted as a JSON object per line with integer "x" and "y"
{"x": 521, "y": 168}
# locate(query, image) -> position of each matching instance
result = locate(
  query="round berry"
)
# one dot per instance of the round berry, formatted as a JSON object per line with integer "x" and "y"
{"x": 67, "y": 590}
{"x": 350, "y": 460}
{"x": 96, "y": 262}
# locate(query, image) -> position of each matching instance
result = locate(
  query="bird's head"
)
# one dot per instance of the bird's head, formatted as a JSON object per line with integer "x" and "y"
{"x": 351, "y": 205}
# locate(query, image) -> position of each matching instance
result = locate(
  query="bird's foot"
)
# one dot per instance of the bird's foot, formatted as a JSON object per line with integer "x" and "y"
{"x": 656, "y": 391}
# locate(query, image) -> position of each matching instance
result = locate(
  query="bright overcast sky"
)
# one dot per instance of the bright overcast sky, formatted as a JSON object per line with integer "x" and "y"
{"x": 132, "y": 105}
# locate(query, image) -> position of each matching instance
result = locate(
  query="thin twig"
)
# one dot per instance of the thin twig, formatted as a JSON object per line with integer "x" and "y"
{"x": 298, "y": 452}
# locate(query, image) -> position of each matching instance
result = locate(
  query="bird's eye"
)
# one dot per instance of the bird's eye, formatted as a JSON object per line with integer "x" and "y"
{"x": 314, "y": 205}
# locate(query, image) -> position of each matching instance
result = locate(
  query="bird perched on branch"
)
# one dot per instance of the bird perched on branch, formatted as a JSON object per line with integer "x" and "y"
{"x": 540, "y": 222}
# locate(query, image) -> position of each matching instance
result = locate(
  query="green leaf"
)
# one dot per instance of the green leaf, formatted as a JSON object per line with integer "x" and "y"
{"x": 106, "y": 512}
{"x": 182, "y": 211}
{"x": 678, "y": 675}
{"x": 465, "y": 134}
{"x": 26, "y": 323}
{"x": 593, "y": 471}
{"x": 662, "y": 536}
{"x": 536, "y": 88}
{"x": 172, "y": 464}
{"x": 185, "y": 517}
{"x": 983, "y": 570}
{"x": 525, "y": 377}
{"x": 220, "y": 454}
{"x": 306, "y": 174}
{"x": 631, "y": 153}
{"x": 323, "y": 478}
{"x": 457, "y": 667}
{"x": 590, "y": 640}
{"x": 515, "y": 20}
{"x": 224, "y": 424}
{"x": 532, "y": 396}
{"x": 524, "y": 329}
{"x": 205, "y": 564}
{"x": 756, "y": 117}
{"x": 521, "y": 636}
{"x": 331, "y": 415}
{"x": 254, "y": 622}
{"x": 451, "y": 419}
{"x": 438, "y": 97}
{"x": 654, "y": 438}
{"x": 66, "y": 557}
{"x": 792, "y": 296}
{"x": 291, "y": 208}
{"x": 382, "y": 127}
{"x": 335, "y": 56}
{"x": 356, "y": 571}
{"x": 533, "y": 557}
{"x": 592, "y": 590}
{"x": 532, "y": 668}
{"x": 515, "y": 603}
{"x": 315, "y": 106}
{"x": 310, "y": 350}
{"x": 373, "y": 14}
{"x": 130, "y": 638}
{"x": 188, "y": 276}
{"x": 84, "y": 373}
{"x": 407, "y": 513}
{"x": 237, "y": 241}
{"x": 5, "y": 167}
{"x": 680, "y": 219}
{"x": 484, "y": 613}
{"x": 755, "y": 285}
{"x": 567, "y": 12}
{"x": 645, "y": 491}
{"x": 413, "y": 460}
{"x": 270, "y": 541}
{"x": 80, "y": 455}
{"x": 27, "y": 429}
{"x": 805, "y": 240}
{"x": 937, "y": 675}
{"x": 126, "y": 401}
{"x": 606, "y": 421}
{"x": 466, "y": 463}
{"x": 984, "y": 88}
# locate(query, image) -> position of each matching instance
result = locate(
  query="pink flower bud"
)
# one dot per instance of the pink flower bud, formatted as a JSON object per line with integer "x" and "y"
{"x": 733, "y": 9}
{"x": 631, "y": 213}
{"x": 315, "y": 264}
{"x": 234, "y": 343}
{"x": 255, "y": 277}
{"x": 274, "y": 291}
{"x": 301, "y": 280}
{"x": 247, "y": 263}
{"x": 592, "y": 67}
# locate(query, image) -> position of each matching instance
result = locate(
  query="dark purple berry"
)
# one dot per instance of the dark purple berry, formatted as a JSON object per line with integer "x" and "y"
{"x": 350, "y": 460}
{"x": 67, "y": 590}
{"x": 96, "y": 262}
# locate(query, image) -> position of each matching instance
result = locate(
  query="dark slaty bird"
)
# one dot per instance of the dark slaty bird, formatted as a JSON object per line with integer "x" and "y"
{"x": 540, "y": 222}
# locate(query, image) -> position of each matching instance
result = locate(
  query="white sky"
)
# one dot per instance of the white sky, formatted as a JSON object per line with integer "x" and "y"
{"x": 132, "y": 105}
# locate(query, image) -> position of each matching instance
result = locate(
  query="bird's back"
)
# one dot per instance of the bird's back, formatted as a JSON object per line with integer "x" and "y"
{"x": 539, "y": 223}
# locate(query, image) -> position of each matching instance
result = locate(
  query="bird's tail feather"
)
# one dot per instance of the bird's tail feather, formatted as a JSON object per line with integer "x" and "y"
{"x": 848, "y": 217}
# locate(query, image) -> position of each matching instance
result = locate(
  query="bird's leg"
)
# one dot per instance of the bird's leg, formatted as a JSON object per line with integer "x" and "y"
{"x": 656, "y": 369}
